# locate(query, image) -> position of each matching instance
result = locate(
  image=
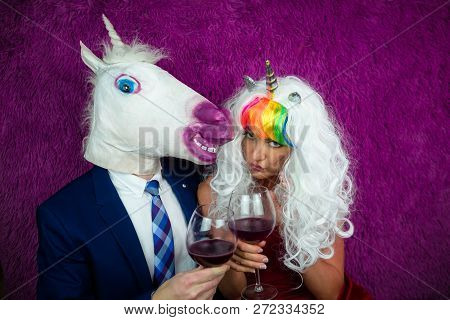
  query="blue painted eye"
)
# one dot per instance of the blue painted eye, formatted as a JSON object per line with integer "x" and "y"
{"x": 127, "y": 84}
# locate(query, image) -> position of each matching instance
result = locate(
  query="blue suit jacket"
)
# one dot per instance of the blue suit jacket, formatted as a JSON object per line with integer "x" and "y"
{"x": 88, "y": 247}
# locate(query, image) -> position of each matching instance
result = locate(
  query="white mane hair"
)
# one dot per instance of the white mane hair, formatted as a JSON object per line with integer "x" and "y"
{"x": 134, "y": 52}
{"x": 315, "y": 188}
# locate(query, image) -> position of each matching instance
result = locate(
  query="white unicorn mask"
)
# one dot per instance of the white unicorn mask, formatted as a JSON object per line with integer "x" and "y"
{"x": 139, "y": 112}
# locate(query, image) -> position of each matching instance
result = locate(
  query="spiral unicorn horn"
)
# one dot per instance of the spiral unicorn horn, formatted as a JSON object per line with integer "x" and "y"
{"x": 115, "y": 39}
{"x": 271, "y": 80}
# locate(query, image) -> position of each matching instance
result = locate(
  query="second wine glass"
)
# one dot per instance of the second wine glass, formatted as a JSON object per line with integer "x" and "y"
{"x": 254, "y": 221}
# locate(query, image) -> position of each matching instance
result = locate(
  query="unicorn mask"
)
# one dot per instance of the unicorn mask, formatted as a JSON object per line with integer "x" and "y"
{"x": 139, "y": 112}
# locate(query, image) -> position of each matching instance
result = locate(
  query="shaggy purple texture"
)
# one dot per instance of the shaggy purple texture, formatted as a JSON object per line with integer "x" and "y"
{"x": 381, "y": 66}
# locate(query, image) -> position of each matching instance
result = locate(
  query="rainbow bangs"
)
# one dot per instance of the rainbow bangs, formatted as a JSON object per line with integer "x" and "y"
{"x": 267, "y": 119}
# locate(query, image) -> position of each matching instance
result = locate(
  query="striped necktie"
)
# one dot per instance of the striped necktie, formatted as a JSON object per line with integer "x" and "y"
{"x": 164, "y": 262}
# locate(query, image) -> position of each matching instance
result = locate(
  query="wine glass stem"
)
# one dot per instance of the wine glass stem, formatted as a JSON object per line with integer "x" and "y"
{"x": 258, "y": 286}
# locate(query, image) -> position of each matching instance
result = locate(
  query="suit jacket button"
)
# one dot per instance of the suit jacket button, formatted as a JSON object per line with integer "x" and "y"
{"x": 183, "y": 185}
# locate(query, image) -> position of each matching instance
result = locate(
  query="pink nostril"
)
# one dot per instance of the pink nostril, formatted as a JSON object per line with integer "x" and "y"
{"x": 209, "y": 113}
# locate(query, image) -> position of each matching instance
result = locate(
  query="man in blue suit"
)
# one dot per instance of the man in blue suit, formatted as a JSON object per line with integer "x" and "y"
{"x": 118, "y": 231}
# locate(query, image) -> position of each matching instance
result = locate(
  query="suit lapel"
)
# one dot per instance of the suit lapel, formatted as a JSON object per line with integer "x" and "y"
{"x": 183, "y": 191}
{"x": 183, "y": 178}
{"x": 119, "y": 223}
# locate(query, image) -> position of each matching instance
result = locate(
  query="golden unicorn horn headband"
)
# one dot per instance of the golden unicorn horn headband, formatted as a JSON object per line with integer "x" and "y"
{"x": 271, "y": 80}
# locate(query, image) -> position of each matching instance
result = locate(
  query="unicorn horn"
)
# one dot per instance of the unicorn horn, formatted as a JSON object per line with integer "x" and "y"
{"x": 271, "y": 80}
{"x": 115, "y": 39}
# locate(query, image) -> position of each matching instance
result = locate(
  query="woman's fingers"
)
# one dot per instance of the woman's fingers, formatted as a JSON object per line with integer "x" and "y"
{"x": 238, "y": 267}
{"x": 250, "y": 260}
{"x": 248, "y": 255}
{"x": 255, "y": 257}
{"x": 252, "y": 248}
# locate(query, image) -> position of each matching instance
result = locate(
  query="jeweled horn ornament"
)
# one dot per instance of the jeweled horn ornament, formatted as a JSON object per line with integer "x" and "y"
{"x": 250, "y": 84}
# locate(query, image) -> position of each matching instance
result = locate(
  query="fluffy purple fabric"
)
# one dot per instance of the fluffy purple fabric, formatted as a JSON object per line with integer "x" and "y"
{"x": 381, "y": 67}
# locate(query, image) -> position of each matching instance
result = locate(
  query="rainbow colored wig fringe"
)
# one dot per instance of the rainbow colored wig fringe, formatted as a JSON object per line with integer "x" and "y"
{"x": 267, "y": 119}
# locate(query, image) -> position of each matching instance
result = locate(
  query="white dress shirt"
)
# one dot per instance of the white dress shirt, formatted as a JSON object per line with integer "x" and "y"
{"x": 137, "y": 202}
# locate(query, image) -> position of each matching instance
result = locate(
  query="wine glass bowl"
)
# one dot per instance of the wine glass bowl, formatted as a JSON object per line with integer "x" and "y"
{"x": 254, "y": 220}
{"x": 253, "y": 229}
{"x": 211, "y": 239}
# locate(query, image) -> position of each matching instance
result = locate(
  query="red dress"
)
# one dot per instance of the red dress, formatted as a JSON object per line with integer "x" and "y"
{"x": 286, "y": 280}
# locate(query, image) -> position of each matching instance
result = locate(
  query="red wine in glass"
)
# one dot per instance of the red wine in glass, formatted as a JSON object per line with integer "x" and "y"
{"x": 253, "y": 229}
{"x": 211, "y": 252}
{"x": 211, "y": 239}
{"x": 254, "y": 220}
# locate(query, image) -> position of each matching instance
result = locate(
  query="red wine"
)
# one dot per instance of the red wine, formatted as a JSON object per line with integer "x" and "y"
{"x": 252, "y": 229}
{"x": 211, "y": 252}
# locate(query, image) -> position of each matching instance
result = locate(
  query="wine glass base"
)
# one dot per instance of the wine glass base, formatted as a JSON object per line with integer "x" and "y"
{"x": 269, "y": 292}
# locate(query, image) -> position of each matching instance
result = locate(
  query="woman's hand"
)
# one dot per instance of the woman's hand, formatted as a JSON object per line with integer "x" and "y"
{"x": 247, "y": 257}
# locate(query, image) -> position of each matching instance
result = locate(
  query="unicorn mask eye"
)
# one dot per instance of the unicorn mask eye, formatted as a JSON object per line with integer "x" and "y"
{"x": 127, "y": 84}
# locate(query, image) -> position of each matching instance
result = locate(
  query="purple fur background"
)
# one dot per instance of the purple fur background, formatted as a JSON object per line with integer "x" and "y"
{"x": 381, "y": 66}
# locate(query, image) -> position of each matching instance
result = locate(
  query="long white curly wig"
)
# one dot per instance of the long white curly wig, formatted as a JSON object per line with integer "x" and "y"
{"x": 315, "y": 188}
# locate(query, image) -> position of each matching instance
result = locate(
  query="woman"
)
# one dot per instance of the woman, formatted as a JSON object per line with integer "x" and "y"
{"x": 287, "y": 143}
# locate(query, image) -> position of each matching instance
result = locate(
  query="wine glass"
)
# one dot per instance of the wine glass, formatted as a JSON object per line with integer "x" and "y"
{"x": 211, "y": 239}
{"x": 254, "y": 221}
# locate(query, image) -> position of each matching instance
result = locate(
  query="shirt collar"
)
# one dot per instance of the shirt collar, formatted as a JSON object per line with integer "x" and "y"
{"x": 131, "y": 184}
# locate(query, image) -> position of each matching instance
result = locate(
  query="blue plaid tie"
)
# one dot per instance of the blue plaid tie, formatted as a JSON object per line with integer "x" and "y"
{"x": 162, "y": 237}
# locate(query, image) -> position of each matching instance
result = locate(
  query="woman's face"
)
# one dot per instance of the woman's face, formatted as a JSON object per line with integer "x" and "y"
{"x": 265, "y": 158}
